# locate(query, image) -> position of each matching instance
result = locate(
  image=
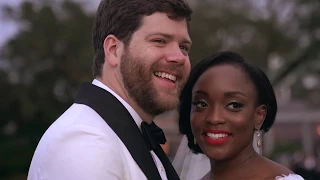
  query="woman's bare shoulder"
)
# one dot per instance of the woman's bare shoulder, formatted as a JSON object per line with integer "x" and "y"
{"x": 276, "y": 171}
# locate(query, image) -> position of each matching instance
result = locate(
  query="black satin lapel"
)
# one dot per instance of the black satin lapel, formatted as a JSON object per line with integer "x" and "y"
{"x": 170, "y": 171}
{"x": 120, "y": 120}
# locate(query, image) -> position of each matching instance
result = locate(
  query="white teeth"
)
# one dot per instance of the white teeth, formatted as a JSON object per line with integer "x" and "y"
{"x": 216, "y": 136}
{"x": 166, "y": 75}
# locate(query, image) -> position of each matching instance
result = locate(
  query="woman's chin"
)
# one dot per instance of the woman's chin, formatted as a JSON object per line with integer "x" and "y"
{"x": 217, "y": 156}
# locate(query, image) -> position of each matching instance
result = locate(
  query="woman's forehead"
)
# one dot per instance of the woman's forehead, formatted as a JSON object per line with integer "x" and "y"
{"x": 225, "y": 77}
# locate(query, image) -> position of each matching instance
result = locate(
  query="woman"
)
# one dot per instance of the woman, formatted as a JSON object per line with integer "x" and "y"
{"x": 224, "y": 103}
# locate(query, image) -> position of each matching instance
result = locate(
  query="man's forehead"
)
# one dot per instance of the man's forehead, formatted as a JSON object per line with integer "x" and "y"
{"x": 162, "y": 25}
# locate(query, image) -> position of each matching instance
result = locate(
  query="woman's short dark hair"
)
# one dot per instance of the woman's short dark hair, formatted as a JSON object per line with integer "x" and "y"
{"x": 123, "y": 17}
{"x": 265, "y": 93}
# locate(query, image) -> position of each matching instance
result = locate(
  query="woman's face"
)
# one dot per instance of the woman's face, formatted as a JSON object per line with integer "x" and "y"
{"x": 224, "y": 112}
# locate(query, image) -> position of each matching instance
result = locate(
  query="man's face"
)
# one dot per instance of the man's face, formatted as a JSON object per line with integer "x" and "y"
{"x": 156, "y": 65}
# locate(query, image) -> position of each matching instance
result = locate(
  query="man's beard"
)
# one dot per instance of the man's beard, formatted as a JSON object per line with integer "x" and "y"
{"x": 137, "y": 79}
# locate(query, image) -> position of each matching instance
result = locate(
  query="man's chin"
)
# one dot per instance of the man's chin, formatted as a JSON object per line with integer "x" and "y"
{"x": 169, "y": 103}
{"x": 168, "y": 94}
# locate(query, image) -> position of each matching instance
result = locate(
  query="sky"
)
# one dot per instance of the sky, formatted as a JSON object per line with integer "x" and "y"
{"x": 7, "y": 29}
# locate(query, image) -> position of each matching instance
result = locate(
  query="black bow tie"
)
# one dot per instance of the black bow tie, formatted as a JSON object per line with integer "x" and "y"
{"x": 153, "y": 135}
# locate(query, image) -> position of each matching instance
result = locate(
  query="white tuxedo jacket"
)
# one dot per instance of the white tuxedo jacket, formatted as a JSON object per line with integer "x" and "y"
{"x": 80, "y": 145}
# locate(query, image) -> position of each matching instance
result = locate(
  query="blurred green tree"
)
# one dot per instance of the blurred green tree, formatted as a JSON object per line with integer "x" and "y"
{"x": 244, "y": 27}
{"x": 46, "y": 60}
{"x": 281, "y": 37}
{"x": 259, "y": 31}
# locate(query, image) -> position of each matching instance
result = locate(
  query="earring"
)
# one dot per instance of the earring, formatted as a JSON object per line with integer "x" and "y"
{"x": 194, "y": 141}
{"x": 259, "y": 141}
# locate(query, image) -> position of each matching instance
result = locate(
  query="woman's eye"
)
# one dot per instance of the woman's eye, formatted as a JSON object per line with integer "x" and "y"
{"x": 200, "y": 104}
{"x": 235, "y": 105}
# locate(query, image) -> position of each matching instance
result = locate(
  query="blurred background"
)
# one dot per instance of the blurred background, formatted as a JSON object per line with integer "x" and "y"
{"x": 46, "y": 51}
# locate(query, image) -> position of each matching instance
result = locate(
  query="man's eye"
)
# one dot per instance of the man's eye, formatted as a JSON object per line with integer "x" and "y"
{"x": 161, "y": 41}
{"x": 185, "y": 48}
{"x": 235, "y": 105}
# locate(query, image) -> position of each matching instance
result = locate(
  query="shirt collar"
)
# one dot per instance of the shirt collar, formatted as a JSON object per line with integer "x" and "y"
{"x": 132, "y": 112}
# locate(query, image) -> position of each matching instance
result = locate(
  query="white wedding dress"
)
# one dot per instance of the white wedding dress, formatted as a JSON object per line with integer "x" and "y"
{"x": 289, "y": 177}
{"x": 190, "y": 166}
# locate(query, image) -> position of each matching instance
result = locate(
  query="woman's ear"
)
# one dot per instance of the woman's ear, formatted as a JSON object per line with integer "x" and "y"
{"x": 261, "y": 113}
{"x": 112, "y": 47}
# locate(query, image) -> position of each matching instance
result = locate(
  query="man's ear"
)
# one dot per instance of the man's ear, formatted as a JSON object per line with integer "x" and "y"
{"x": 261, "y": 113}
{"x": 112, "y": 47}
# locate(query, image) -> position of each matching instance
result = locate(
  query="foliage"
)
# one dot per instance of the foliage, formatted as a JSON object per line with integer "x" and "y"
{"x": 287, "y": 31}
{"x": 47, "y": 59}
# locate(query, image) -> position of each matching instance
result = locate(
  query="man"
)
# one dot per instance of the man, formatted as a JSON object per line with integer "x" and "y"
{"x": 141, "y": 62}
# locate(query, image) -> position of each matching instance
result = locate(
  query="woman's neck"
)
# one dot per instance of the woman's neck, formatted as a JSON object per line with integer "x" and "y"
{"x": 238, "y": 166}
